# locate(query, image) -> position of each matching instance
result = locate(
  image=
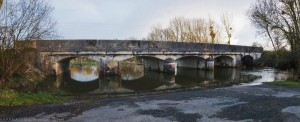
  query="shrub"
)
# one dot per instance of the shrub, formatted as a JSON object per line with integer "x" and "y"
{"x": 17, "y": 65}
{"x": 281, "y": 59}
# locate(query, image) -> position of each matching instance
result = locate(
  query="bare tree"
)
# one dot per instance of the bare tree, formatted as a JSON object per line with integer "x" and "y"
{"x": 262, "y": 16}
{"x": 25, "y": 20}
{"x": 186, "y": 30}
{"x": 22, "y": 20}
{"x": 227, "y": 23}
{"x": 212, "y": 31}
{"x": 279, "y": 20}
{"x": 177, "y": 28}
{"x": 256, "y": 44}
{"x": 156, "y": 33}
{"x": 215, "y": 32}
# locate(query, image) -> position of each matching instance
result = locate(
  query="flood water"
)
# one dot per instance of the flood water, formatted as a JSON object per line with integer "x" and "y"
{"x": 135, "y": 78}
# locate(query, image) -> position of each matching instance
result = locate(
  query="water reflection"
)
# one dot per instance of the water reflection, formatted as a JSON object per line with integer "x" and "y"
{"x": 68, "y": 84}
{"x": 84, "y": 73}
{"x": 131, "y": 71}
{"x": 267, "y": 75}
{"x": 85, "y": 79}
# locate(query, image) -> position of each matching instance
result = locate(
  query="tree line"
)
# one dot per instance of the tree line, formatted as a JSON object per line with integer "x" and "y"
{"x": 196, "y": 30}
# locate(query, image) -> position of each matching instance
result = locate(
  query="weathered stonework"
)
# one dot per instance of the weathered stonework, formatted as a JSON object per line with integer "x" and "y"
{"x": 210, "y": 64}
{"x": 109, "y": 68}
{"x": 56, "y": 54}
{"x": 170, "y": 66}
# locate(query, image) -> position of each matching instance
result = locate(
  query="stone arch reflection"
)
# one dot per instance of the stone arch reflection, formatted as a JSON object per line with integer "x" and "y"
{"x": 67, "y": 84}
{"x": 134, "y": 68}
{"x": 192, "y": 77}
{"x": 226, "y": 75}
{"x": 144, "y": 73}
{"x": 67, "y": 65}
{"x": 78, "y": 75}
{"x": 149, "y": 81}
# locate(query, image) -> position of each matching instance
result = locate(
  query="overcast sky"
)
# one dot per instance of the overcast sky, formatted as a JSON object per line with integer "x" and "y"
{"x": 125, "y": 19}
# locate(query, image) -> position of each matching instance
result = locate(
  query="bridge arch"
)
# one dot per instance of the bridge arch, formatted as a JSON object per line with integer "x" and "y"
{"x": 247, "y": 61}
{"x": 152, "y": 81}
{"x": 62, "y": 64}
{"x": 151, "y": 63}
{"x": 224, "y": 61}
{"x": 196, "y": 62}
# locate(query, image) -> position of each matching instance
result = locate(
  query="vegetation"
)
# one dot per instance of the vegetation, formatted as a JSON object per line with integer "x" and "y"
{"x": 227, "y": 23}
{"x": 14, "y": 98}
{"x": 197, "y": 30}
{"x": 82, "y": 62}
{"x": 85, "y": 63}
{"x": 281, "y": 59}
{"x": 279, "y": 22}
{"x": 25, "y": 20}
{"x": 21, "y": 21}
{"x": 20, "y": 71}
{"x": 17, "y": 63}
{"x": 287, "y": 83}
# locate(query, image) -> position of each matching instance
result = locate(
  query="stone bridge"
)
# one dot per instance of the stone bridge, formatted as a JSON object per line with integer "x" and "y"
{"x": 163, "y": 56}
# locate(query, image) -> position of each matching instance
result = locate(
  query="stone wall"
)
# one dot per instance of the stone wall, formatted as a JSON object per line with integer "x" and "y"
{"x": 136, "y": 46}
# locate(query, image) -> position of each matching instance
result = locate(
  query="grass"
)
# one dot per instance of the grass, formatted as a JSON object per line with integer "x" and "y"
{"x": 287, "y": 83}
{"x": 13, "y": 98}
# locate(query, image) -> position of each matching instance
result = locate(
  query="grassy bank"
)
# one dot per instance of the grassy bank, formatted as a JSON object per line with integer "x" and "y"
{"x": 13, "y": 98}
{"x": 287, "y": 83}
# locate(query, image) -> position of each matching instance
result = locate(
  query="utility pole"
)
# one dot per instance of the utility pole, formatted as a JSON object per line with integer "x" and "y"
{"x": 229, "y": 36}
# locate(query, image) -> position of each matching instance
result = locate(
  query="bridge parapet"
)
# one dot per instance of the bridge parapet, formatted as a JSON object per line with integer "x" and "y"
{"x": 133, "y": 45}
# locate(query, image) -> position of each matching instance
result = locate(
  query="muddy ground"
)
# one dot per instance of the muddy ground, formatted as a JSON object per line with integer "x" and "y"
{"x": 236, "y": 103}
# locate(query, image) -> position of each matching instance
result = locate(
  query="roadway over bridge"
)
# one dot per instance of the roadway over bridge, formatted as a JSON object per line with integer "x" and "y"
{"x": 162, "y": 56}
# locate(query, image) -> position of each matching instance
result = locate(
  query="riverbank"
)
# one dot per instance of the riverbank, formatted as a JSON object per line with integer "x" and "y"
{"x": 13, "y": 98}
{"x": 265, "y": 102}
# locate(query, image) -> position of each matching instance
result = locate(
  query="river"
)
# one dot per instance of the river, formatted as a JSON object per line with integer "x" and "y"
{"x": 135, "y": 78}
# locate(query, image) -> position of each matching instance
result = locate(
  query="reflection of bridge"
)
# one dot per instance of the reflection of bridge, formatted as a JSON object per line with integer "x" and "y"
{"x": 157, "y": 55}
{"x": 154, "y": 81}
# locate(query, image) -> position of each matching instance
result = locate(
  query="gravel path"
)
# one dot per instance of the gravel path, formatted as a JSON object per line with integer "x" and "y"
{"x": 237, "y": 103}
